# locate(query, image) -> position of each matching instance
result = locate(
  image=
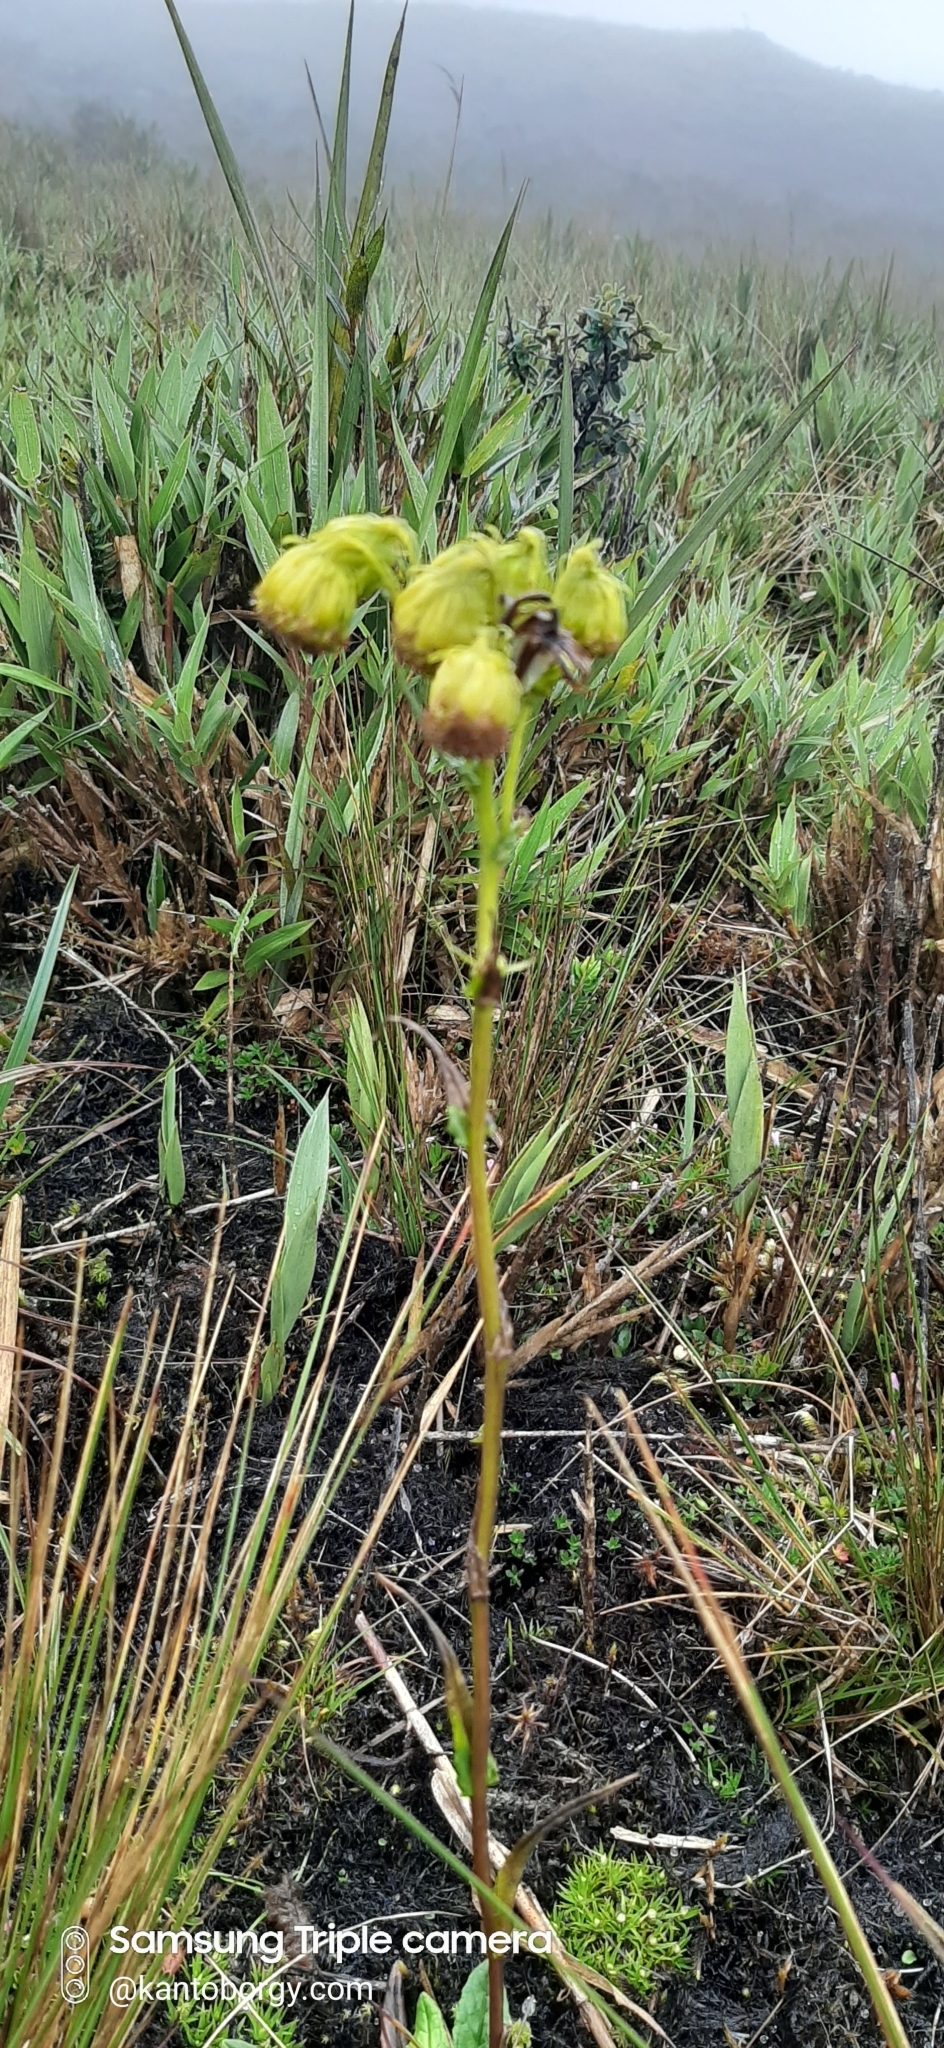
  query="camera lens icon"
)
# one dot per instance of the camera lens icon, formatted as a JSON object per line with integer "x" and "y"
{"x": 74, "y": 1965}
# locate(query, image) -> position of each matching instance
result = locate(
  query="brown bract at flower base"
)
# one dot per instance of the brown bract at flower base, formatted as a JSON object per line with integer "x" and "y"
{"x": 474, "y": 700}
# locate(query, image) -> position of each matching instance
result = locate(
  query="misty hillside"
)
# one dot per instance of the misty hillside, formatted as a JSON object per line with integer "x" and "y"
{"x": 688, "y": 136}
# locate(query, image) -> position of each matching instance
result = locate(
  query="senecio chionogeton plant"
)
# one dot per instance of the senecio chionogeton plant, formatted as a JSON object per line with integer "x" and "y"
{"x": 493, "y": 630}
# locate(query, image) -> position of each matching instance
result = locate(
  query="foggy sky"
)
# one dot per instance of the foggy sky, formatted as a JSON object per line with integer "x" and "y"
{"x": 696, "y": 138}
{"x": 902, "y": 42}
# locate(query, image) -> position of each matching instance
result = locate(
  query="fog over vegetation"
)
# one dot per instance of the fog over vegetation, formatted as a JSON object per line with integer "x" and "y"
{"x": 683, "y": 136}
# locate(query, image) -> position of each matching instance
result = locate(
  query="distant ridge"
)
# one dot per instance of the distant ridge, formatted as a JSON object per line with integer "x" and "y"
{"x": 691, "y": 137}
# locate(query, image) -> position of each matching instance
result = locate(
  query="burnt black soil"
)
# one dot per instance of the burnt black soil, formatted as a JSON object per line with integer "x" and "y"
{"x": 573, "y": 1707}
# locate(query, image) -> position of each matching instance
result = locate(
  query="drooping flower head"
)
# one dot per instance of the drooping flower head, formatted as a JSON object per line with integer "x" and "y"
{"x": 307, "y": 597}
{"x": 379, "y": 550}
{"x": 447, "y": 602}
{"x": 522, "y": 565}
{"x": 310, "y": 595}
{"x": 590, "y": 601}
{"x": 474, "y": 699}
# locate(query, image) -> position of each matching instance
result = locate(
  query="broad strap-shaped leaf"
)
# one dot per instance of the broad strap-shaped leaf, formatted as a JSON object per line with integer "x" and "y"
{"x": 738, "y": 1045}
{"x": 745, "y": 1102}
{"x": 273, "y": 468}
{"x": 319, "y": 383}
{"x": 271, "y": 1372}
{"x": 746, "y": 1150}
{"x": 37, "y": 615}
{"x": 170, "y": 1154}
{"x": 470, "y": 2024}
{"x": 13, "y": 741}
{"x": 304, "y": 1205}
{"x": 524, "y": 1219}
{"x": 26, "y": 442}
{"x": 521, "y": 1178}
{"x": 429, "y": 2027}
{"x": 366, "y": 1089}
{"x": 336, "y": 235}
{"x": 166, "y": 497}
{"x": 373, "y": 176}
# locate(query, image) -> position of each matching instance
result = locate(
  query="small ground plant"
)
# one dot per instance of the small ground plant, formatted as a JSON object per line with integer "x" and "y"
{"x": 623, "y": 1917}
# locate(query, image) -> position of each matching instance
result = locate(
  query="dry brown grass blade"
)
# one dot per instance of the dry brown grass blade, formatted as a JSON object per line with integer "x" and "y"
{"x": 595, "y": 1318}
{"x": 929, "y": 1929}
{"x": 667, "y": 1525}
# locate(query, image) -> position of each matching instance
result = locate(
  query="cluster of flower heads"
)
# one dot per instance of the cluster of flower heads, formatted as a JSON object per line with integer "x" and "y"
{"x": 485, "y": 620}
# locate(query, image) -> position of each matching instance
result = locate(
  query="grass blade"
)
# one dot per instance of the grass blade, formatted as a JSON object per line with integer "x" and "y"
{"x": 667, "y": 1526}
{"x": 29, "y": 458}
{"x": 318, "y": 396}
{"x": 660, "y": 582}
{"x": 459, "y": 396}
{"x": 373, "y": 176}
{"x": 23, "y": 1035}
{"x": 565, "y": 496}
{"x": 371, "y": 471}
{"x": 336, "y": 242}
{"x": 12, "y": 742}
{"x": 170, "y": 1156}
{"x": 237, "y": 185}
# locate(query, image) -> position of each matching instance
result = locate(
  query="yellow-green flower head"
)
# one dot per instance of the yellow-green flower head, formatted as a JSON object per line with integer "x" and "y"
{"x": 308, "y": 597}
{"x": 447, "y": 602}
{"x": 311, "y": 593}
{"x": 523, "y": 564}
{"x": 590, "y": 602}
{"x": 376, "y": 549}
{"x": 474, "y": 700}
